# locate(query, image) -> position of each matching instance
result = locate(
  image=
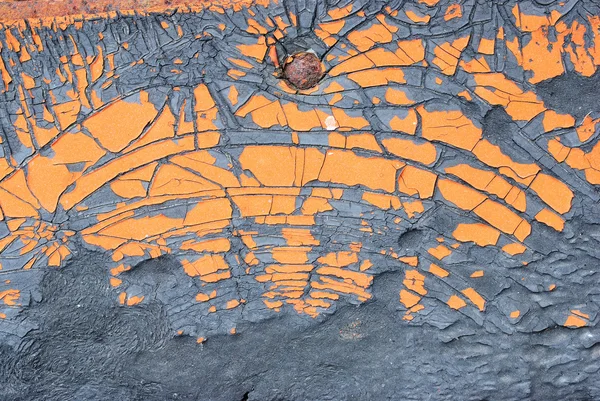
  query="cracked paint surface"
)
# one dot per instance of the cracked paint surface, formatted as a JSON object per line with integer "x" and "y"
{"x": 424, "y": 151}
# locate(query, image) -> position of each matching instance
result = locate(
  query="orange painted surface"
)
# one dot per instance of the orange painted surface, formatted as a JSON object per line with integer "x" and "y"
{"x": 479, "y": 233}
{"x": 455, "y": 302}
{"x": 149, "y": 157}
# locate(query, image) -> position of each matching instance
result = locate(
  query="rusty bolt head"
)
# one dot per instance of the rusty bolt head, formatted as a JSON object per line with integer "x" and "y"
{"x": 303, "y": 70}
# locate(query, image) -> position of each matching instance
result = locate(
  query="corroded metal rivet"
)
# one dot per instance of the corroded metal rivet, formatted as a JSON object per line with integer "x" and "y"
{"x": 303, "y": 70}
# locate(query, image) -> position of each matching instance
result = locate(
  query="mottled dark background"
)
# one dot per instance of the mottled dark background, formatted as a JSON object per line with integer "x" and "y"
{"x": 88, "y": 349}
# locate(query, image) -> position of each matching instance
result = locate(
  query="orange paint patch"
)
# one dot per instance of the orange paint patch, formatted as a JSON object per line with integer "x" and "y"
{"x": 115, "y": 282}
{"x": 456, "y": 302}
{"x": 481, "y": 234}
{"x": 550, "y": 219}
{"x": 496, "y": 89}
{"x": 552, "y": 120}
{"x": 486, "y": 46}
{"x": 439, "y": 252}
{"x": 232, "y": 304}
{"x": 462, "y": 196}
{"x": 134, "y": 300}
{"x": 339, "y": 13}
{"x": 542, "y": 57}
{"x": 265, "y": 113}
{"x": 410, "y": 260}
{"x": 358, "y": 278}
{"x": 424, "y": 152}
{"x": 475, "y": 298}
{"x": 261, "y": 159}
{"x": 10, "y": 297}
{"x": 345, "y": 167}
{"x": 438, "y": 271}
{"x": 416, "y": 181}
{"x": 587, "y": 128}
{"x": 339, "y": 259}
{"x": 447, "y": 55}
{"x": 332, "y": 28}
{"x": 480, "y": 179}
{"x": 411, "y": 51}
{"x": 377, "y": 77}
{"x": 121, "y": 122}
{"x": 415, "y": 281}
{"x": 498, "y": 216}
{"x": 451, "y": 127}
{"x": 364, "y": 39}
{"x": 346, "y": 122}
{"x": 406, "y": 124}
{"x": 514, "y": 248}
{"x": 398, "y": 97}
{"x": 49, "y": 177}
{"x": 416, "y": 18}
{"x": 174, "y": 180}
{"x": 363, "y": 141}
{"x": 574, "y": 322}
{"x": 408, "y": 299}
{"x": 382, "y": 201}
{"x": 205, "y": 265}
{"x": 257, "y": 51}
{"x": 161, "y": 128}
{"x": 413, "y": 207}
{"x": 555, "y": 193}
{"x": 301, "y": 120}
{"x": 313, "y": 205}
{"x": 453, "y": 11}
{"x": 290, "y": 255}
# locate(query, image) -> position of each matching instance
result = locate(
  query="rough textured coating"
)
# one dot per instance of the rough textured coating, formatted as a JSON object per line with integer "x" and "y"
{"x": 180, "y": 223}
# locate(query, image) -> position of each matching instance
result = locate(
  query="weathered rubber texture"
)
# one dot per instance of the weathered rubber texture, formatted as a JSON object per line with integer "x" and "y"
{"x": 177, "y": 222}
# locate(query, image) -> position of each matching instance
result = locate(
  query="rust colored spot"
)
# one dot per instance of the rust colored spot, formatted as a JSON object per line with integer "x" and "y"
{"x": 18, "y": 9}
{"x": 303, "y": 70}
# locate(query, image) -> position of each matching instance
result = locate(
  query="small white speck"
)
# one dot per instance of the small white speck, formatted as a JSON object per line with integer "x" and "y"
{"x": 331, "y": 124}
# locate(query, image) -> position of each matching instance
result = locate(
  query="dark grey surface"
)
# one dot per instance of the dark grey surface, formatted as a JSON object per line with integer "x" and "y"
{"x": 88, "y": 349}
